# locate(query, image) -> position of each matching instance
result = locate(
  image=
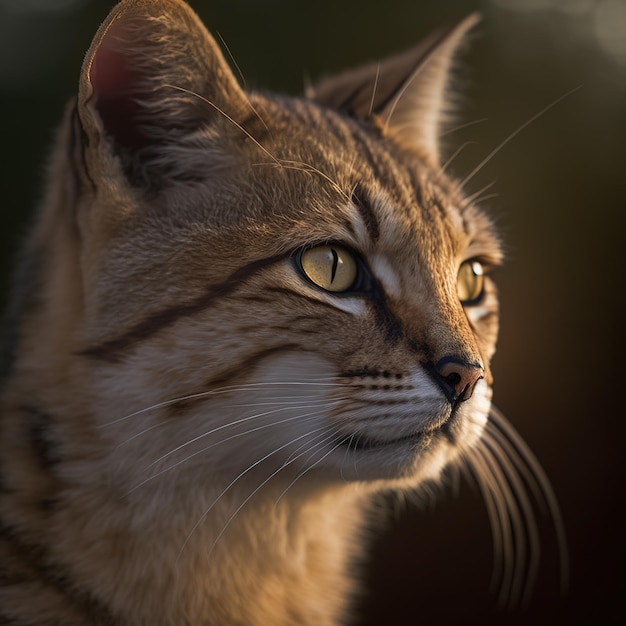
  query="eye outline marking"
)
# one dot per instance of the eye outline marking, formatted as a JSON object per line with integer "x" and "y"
{"x": 484, "y": 273}
{"x": 363, "y": 284}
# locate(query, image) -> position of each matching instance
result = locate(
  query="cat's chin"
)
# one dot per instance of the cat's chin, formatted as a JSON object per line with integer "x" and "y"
{"x": 419, "y": 456}
{"x": 414, "y": 457}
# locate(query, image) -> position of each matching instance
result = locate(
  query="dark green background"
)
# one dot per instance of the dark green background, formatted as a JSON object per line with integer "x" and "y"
{"x": 560, "y": 188}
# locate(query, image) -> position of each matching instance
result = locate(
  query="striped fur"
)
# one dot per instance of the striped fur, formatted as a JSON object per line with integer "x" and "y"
{"x": 191, "y": 429}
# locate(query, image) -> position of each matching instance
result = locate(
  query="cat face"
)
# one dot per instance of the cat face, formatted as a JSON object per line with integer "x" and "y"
{"x": 239, "y": 315}
{"x": 280, "y": 284}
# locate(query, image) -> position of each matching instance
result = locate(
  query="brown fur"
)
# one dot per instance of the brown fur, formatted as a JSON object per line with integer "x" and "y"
{"x": 191, "y": 429}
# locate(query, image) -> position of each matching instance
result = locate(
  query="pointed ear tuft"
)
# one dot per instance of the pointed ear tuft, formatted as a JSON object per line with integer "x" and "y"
{"x": 150, "y": 74}
{"x": 406, "y": 93}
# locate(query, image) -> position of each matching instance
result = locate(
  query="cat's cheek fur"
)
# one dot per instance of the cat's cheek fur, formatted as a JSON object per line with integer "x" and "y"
{"x": 293, "y": 408}
{"x": 277, "y": 408}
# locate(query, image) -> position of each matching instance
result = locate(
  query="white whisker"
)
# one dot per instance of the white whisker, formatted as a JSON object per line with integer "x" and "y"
{"x": 303, "y": 418}
{"x": 489, "y": 196}
{"x": 298, "y": 165}
{"x": 514, "y": 134}
{"x": 243, "y": 81}
{"x": 222, "y": 390}
{"x": 301, "y": 401}
{"x": 345, "y": 456}
{"x": 522, "y": 522}
{"x": 543, "y": 490}
{"x": 263, "y": 483}
{"x": 234, "y": 61}
{"x": 296, "y": 453}
{"x": 308, "y": 168}
{"x": 472, "y": 198}
{"x": 503, "y": 539}
{"x": 455, "y": 129}
{"x": 506, "y": 472}
{"x": 474, "y": 470}
{"x": 332, "y": 435}
{"x": 227, "y": 425}
{"x": 228, "y": 117}
{"x": 373, "y": 99}
{"x": 454, "y": 155}
{"x": 232, "y": 483}
{"x": 308, "y": 469}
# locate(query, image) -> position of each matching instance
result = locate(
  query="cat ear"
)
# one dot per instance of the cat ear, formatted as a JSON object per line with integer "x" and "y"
{"x": 153, "y": 74}
{"x": 405, "y": 94}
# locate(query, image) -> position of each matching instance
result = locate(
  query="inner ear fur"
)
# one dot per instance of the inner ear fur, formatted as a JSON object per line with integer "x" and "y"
{"x": 153, "y": 73}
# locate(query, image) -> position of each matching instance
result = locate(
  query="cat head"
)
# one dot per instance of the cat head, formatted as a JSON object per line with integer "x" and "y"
{"x": 288, "y": 282}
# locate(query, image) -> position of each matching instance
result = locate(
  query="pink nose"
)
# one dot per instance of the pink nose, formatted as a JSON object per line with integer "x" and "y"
{"x": 458, "y": 378}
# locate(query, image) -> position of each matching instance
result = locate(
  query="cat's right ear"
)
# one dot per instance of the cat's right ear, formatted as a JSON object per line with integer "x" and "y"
{"x": 405, "y": 95}
{"x": 152, "y": 75}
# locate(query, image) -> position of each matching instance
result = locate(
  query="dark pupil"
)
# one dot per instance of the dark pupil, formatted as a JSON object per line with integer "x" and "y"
{"x": 333, "y": 271}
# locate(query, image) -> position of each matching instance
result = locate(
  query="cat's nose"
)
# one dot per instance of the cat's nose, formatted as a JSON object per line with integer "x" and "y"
{"x": 457, "y": 378}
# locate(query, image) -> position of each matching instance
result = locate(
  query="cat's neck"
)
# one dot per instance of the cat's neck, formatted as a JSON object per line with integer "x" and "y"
{"x": 196, "y": 553}
{"x": 271, "y": 563}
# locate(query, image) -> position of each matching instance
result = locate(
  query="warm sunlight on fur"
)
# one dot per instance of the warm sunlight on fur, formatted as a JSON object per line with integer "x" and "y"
{"x": 242, "y": 316}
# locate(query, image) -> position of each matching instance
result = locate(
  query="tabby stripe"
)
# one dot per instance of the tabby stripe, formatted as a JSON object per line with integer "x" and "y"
{"x": 381, "y": 169}
{"x": 255, "y": 127}
{"x": 360, "y": 198}
{"x": 41, "y": 431}
{"x": 296, "y": 294}
{"x": 347, "y": 224}
{"x": 234, "y": 373}
{"x": 110, "y": 350}
{"x": 465, "y": 220}
{"x": 25, "y": 289}
{"x": 384, "y": 170}
{"x": 250, "y": 363}
{"x": 52, "y": 575}
{"x": 422, "y": 349}
{"x": 417, "y": 188}
{"x": 387, "y": 320}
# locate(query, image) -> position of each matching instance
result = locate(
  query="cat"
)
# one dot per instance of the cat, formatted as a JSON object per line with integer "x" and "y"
{"x": 239, "y": 317}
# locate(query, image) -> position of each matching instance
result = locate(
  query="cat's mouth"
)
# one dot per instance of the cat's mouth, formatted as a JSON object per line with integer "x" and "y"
{"x": 358, "y": 442}
{"x": 361, "y": 443}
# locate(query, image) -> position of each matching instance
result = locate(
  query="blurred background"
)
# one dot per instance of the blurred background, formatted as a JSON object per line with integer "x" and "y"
{"x": 559, "y": 197}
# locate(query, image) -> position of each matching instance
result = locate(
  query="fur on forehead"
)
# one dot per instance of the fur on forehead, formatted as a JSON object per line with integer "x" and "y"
{"x": 154, "y": 76}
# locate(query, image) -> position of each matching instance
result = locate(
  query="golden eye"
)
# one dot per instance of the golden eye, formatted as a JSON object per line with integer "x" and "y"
{"x": 330, "y": 267}
{"x": 470, "y": 282}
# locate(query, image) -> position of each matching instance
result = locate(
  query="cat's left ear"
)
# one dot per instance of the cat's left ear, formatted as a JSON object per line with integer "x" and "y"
{"x": 404, "y": 94}
{"x": 152, "y": 76}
